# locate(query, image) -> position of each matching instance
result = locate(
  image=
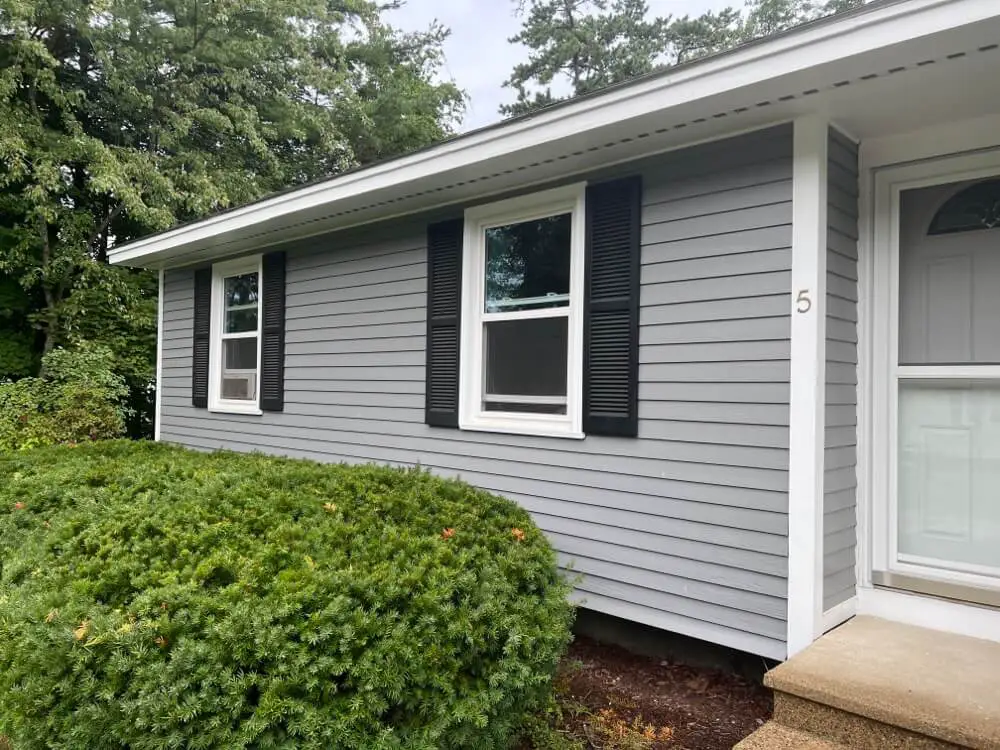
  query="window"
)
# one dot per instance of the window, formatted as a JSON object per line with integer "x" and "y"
{"x": 975, "y": 207}
{"x": 234, "y": 377}
{"x": 522, "y": 326}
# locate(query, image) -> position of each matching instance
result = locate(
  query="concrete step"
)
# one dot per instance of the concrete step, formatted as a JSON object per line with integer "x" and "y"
{"x": 876, "y": 685}
{"x": 773, "y": 736}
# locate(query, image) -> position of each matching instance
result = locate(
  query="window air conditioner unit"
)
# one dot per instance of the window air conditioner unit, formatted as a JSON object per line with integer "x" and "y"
{"x": 239, "y": 387}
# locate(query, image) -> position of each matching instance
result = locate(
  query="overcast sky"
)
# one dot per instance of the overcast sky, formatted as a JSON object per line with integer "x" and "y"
{"x": 479, "y": 58}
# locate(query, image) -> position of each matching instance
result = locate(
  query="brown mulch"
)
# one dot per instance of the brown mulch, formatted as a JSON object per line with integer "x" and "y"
{"x": 615, "y": 699}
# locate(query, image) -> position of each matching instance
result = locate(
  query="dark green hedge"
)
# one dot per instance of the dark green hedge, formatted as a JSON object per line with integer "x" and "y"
{"x": 152, "y": 597}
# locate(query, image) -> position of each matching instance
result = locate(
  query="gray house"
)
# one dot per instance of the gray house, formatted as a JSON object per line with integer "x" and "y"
{"x": 731, "y": 332}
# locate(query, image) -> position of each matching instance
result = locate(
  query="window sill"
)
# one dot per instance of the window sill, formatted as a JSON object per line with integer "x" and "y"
{"x": 252, "y": 411}
{"x": 528, "y": 430}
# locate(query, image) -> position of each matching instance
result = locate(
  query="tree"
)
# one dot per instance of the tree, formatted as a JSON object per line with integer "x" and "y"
{"x": 579, "y": 46}
{"x": 587, "y": 44}
{"x": 123, "y": 117}
{"x": 766, "y": 17}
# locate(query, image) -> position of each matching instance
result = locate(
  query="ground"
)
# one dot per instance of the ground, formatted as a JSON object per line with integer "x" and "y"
{"x": 608, "y": 698}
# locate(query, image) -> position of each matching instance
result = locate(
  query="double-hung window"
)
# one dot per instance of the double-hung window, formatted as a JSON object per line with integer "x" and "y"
{"x": 234, "y": 378}
{"x": 522, "y": 324}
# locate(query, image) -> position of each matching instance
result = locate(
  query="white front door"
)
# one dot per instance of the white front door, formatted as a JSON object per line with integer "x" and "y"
{"x": 941, "y": 515}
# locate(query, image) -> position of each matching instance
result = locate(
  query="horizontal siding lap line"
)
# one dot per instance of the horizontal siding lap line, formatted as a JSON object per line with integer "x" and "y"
{"x": 758, "y": 624}
{"x": 701, "y": 569}
{"x": 301, "y": 289}
{"x": 755, "y": 538}
{"x": 732, "y": 637}
{"x": 760, "y": 171}
{"x": 415, "y": 259}
{"x": 706, "y": 591}
{"x": 768, "y": 480}
{"x": 679, "y": 450}
{"x": 412, "y": 290}
{"x": 782, "y": 201}
{"x": 692, "y": 536}
{"x": 654, "y": 234}
{"x": 660, "y": 487}
{"x": 318, "y": 257}
{"x": 767, "y": 193}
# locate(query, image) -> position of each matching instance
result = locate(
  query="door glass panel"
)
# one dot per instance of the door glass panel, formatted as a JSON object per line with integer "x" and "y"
{"x": 948, "y": 428}
{"x": 949, "y": 475}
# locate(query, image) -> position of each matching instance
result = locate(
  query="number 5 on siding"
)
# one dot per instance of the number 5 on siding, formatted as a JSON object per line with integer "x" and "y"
{"x": 803, "y": 302}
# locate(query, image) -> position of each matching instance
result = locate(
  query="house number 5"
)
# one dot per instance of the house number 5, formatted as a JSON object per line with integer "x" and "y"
{"x": 803, "y": 303}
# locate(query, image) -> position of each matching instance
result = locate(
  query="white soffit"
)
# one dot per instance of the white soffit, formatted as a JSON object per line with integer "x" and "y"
{"x": 816, "y": 68}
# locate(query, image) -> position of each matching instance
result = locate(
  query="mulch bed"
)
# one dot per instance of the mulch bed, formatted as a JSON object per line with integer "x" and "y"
{"x": 614, "y": 699}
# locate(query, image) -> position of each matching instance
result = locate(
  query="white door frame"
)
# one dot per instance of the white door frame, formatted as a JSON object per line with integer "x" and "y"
{"x": 887, "y": 185}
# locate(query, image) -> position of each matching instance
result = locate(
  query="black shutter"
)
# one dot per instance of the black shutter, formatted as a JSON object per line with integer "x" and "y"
{"x": 611, "y": 316}
{"x": 202, "y": 337}
{"x": 444, "y": 304}
{"x": 272, "y": 352}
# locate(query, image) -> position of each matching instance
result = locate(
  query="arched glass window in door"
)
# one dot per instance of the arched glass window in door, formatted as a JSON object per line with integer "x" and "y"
{"x": 975, "y": 207}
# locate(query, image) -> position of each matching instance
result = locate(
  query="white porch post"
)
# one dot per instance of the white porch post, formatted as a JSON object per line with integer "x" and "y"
{"x": 808, "y": 382}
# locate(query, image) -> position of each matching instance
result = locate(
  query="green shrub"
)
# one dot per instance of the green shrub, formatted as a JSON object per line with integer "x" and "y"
{"x": 79, "y": 398}
{"x": 153, "y": 597}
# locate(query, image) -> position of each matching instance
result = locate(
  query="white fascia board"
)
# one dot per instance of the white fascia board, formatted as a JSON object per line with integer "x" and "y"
{"x": 809, "y": 47}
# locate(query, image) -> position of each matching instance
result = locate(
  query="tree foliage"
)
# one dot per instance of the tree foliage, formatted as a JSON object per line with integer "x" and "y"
{"x": 579, "y": 46}
{"x": 160, "y": 598}
{"x": 80, "y": 398}
{"x": 123, "y": 117}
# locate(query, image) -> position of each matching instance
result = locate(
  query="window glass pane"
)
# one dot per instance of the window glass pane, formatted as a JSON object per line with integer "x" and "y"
{"x": 949, "y": 475}
{"x": 527, "y": 264}
{"x": 241, "y": 300}
{"x": 241, "y": 321}
{"x": 240, "y": 354}
{"x": 525, "y": 365}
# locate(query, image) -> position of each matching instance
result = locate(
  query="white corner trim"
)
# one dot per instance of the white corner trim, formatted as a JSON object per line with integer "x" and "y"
{"x": 840, "y": 614}
{"x": 814, "y": 45}
{"x": 808, "y": 382}
{"x": 929, "y": 612}
{"x": 158, "y": 409}
{"x": 567, "y": 199}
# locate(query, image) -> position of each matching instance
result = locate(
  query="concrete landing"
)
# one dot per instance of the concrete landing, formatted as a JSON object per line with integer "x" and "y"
{"x": 935, "y": 684}
{"x": 773, "y": 736}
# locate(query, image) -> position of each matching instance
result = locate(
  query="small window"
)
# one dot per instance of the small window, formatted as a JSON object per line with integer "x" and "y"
{"x": 976, "y": 207}
{"x": 235, "y": 363}
{"x": 523, "y": 321}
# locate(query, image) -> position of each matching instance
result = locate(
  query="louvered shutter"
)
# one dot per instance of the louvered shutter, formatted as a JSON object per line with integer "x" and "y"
{"x": 272, "y": 351}
{"x": 201, "y": 340}
{"x": 611, "y": 317}
{"x": 444, "y": 304}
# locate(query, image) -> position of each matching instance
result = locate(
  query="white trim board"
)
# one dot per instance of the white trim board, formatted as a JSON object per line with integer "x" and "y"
{"x": 878, "y": 441}
{"x": 808, "y": 382}
{"x": 930, "y": 612}
{"x": 158, "y": 409}
{"x": 811, "y": 47}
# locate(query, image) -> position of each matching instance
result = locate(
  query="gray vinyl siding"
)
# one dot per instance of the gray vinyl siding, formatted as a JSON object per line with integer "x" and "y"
{"x": 840, "y": 477}
{"x": 683, "y": 528}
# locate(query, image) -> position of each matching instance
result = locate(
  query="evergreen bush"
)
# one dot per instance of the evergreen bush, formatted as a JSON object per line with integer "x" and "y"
{"x": 78, "y": 398}
{"x": 153, "y": 597}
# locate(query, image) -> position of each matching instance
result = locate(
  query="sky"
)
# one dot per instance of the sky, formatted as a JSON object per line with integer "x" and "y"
{"x": 478, "y": 56}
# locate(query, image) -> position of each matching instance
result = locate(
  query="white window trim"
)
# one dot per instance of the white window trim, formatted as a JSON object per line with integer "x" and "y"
{"x": 221, "y": 271}
{"x": 885, "y": 373}
{"x": 570, "y": 199}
